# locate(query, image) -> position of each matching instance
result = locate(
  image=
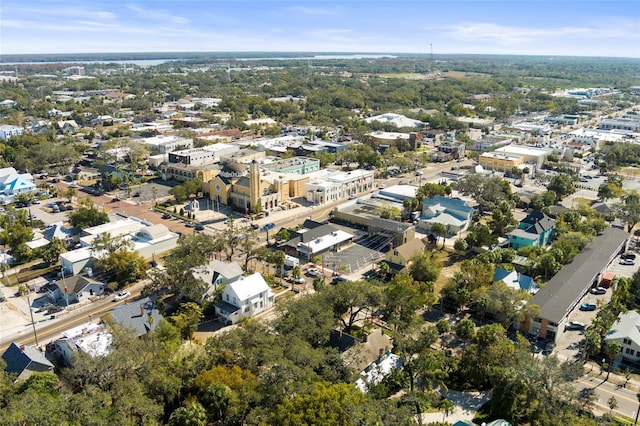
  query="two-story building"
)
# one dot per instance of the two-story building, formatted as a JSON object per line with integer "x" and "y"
{"x": 244, "y": 298}
{"x": 626, "y": 331}
{"x": 534, "y": 230}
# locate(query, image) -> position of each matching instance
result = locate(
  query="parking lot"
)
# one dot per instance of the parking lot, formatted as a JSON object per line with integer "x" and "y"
{"x": 568, "y": 341}
{"x": 364, "y": 251}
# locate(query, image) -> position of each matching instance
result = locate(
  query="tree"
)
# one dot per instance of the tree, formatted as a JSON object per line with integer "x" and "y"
{"x": 440, "y": 230}
{"x": 613, "y": 349}
{"x": 191, "y": 414}
{"x": 612, "y": 403}
{"x": 403, "y": 296}
{"x": 562, "y": 185}
{"x": 465, "y": 329}
{"x": 187, "y": 319}
{"x": 447, "y": 407}
{"x": 608, "y": 191}
{"x": 502, "y": 219}
{"x": 87, "y": 216}
{"x": 349, "y": 299}
{"x": 52, "y": 251}
{"x": 425, "y": 267}
{"x": 629, "y": 209}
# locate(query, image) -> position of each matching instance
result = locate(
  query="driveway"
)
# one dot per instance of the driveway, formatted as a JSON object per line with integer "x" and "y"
{"x": 466, "y": 407}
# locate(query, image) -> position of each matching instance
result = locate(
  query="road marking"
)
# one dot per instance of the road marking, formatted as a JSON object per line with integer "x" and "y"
{"x": 617, "y": 395}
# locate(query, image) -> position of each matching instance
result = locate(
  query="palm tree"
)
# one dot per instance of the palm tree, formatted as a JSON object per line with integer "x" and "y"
{"x": 440, "y": 230}
{"x": 447, "y": 406}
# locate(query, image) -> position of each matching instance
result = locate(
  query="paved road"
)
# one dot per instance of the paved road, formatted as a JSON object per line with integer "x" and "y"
{"x": 627, "y": 399}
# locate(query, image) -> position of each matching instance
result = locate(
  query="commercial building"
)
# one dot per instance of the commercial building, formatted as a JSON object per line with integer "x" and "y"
{"x": 209, "y": 154}
{"x": 165, "y": 144}
{"x": 529, "y": 154}
{"x": 500, "y": 161}
{"x": 299, "y": 165}
{"x": 338, "y": 185}
{"x": 565, "y": 290}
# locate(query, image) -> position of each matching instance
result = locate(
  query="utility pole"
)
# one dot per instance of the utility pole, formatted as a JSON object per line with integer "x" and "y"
{"x": 33, "y": 324}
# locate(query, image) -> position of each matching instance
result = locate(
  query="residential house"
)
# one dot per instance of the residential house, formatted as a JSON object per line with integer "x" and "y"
{"x": 216, "y": 274}
{"x": 89, "y": 338}
{"x": 142, "y": 316}
{"x": 565, "y": 290}
{"x": 67, "y": 126}
{"x": 534, "y": 230}
{"x": 398, "y": 257}
{"x": 13, "y": 183}
{"x": 74, "y": 289}
{"x": 454, "y": 213}
{"x": 515, "y": 280}
{"x": 244, "y": 298}
{"x": 22, "y": 361}
{"x": 626, "y": 331}
{"x": 7, "y": 131}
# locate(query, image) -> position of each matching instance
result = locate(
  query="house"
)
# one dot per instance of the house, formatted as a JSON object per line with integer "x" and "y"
{"x": 13, "y": 183}
{"x": 378, "y": 370}
{"x": 89, "y": 338}
{"x": 564, "y": 291}
{"x": 67, "y": 126}
{"x": 142, "y": 316}
{"x": 22, "y": 361}
{"x": 244, "y": 298}
{"x": 75, "y": 288}
{"x": 217, "y": 274}
{"x": 626, "y": 331}
{"x": 8, "y": 131}
{"x": 454, "y": 213}
{"x": 515, "y": 280}
{"x": 402, "y": 254}
{"x": 534, "y": 230}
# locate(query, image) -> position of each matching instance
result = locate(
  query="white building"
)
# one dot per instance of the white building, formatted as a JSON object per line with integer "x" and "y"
{"x": 89, "y": 338}
{"x": 244, "y": 298}
{"x": 7, "y": 131}
{"x": 626, "y": 331}
{"x": 147, "y": 239}
{"x": 397, "y": 120}
{"x": 165, "y": 144}
{"x": 530, "y": 154}
{"x": 209, "y": 154}
{"x": 338, "y": 185}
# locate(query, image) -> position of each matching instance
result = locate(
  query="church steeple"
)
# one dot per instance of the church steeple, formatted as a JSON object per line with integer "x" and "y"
{"x": 254, "y": 183}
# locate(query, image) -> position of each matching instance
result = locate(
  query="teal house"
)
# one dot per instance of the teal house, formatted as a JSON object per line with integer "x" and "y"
{"x": 534, "y": 230}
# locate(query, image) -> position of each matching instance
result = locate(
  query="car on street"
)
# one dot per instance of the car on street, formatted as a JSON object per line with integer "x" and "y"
{"x": 268, "y": 226}
{"x": 122, "y": 295}
{"x": 190, "y": 224}
{"x": 115, "y": 199}
{"x": 199, "y": 227}
{"x": 339, "y": 279}
{"x": 166, "y": 216}
{"x": 590, "y": 306}
{"x": 628, "y": 262}
{"x": 313, "y": 272}
{"x": 299, "y": 280}
{"x": 574, "y": 325}
{"x": 598, "y": 290}
{"x": 136, "y": 194}
{"x": 352, "y": 197}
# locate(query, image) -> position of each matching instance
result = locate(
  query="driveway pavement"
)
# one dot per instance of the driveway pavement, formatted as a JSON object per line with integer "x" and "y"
{"x": 466, "y": 407}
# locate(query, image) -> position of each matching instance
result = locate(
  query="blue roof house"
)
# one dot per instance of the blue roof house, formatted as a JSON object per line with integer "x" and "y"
{"x": 454, "y": 213}
{"x": 13, "y": 183}
{"x": 534, "y": 230}
{"x": 515, "y": 280}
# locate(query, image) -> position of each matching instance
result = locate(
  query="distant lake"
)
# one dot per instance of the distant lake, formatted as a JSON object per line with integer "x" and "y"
{"x": 140, "y": 63}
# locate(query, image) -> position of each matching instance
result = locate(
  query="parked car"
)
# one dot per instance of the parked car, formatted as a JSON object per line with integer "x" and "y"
{"x": 122, "y": 295}
{"x": 313, "y": 272}
{"x": 549, "y": 347}
{"x": 590, "y": 306}
{"x": 574, "y": 325}
{"x": 352, "y": 197}
{"x": 598, "y": 290}
{"x": 628, "y": 256}
{"x": 166, "y": 216}
{"x": 136, "y": 194}
{"x": 299, "y": 280}
{"x": 628, "y": 262}
{"x": 339, "y": 279}
{"x": 190, "y": 224}
{"x": 199, "y": 227}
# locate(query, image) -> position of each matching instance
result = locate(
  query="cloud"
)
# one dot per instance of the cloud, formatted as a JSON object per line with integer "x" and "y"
{"x": 158, "y": 14}
{"x": 504, "y": 34}
{"x": 315, "y": 11}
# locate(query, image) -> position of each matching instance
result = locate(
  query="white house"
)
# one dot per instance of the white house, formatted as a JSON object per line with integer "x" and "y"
{"x": 217, "y": 274}
{"x": 13, "y": 183}
{"x": 7, "y": 131}
{"x": 626, "y": 331}
{"x": 453, "y": 213}
{"x": 245, "y": 297}
{"x": 89, "y": 338}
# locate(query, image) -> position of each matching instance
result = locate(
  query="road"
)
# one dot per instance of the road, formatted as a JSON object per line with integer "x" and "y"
{"x": 53, "y": 329}
{"x": 627, "y": 399}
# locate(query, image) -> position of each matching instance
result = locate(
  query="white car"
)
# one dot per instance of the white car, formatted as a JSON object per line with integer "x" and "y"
{"x": 122, "y": 295}
{"x": 313, "y": 272}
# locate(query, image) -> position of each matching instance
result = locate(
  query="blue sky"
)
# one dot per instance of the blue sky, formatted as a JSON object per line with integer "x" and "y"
{"x": 562, "y": 27}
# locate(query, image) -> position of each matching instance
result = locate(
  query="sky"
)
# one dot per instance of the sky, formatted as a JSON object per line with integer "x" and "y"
{"x": 524, "y": 27}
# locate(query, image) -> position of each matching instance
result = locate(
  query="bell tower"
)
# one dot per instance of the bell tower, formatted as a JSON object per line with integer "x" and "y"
{"x": 254, "y": 183}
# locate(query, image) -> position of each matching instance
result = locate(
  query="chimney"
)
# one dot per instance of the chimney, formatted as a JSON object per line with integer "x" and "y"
{"x": 141, "y": 310}
{"x": 22, "y": 348}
